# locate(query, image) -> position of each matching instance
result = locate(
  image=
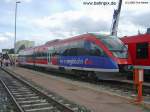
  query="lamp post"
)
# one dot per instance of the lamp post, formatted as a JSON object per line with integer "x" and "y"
{"x": 17, "y": 2}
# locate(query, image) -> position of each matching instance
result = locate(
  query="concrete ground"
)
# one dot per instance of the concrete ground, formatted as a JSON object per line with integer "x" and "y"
{"x": 97, "y": 101}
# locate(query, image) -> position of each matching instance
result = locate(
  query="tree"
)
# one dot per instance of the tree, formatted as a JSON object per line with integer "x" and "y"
{"x": 21, "y": 48}
{"x": 11, "y": 51}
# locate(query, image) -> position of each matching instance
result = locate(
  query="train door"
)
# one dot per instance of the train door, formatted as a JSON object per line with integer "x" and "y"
{"x": 49, "y": 55}
{"x": 34, "y": 57}
{"x": 149, "y": 51}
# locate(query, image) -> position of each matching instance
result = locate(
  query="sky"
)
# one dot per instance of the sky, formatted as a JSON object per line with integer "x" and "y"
{"x": 44, "y": 20}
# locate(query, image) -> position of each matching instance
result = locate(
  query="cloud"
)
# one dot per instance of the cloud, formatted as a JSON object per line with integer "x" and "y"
{"x": 9, "y": 34}
{"x": 3, "y": 39}
{"x": 142, "y": 19}
{"x": 46, "y": 20}
{"x": 6, "y": 36}
{"x": 73, "y": 22}
{"x": 8, "y": 1}
{"x": 131, "y": 22}
{"x": 94, "y": 19}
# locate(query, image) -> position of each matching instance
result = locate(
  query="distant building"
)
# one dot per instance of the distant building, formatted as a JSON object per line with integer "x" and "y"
{"x": 0, "y": 54}
{"x": 24, "y": 44}
{"x": 4, "y": 51}
{"x": 148, "y": 30}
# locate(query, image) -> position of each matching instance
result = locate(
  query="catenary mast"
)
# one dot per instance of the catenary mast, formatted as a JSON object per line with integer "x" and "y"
{"x": 116, "y": 19}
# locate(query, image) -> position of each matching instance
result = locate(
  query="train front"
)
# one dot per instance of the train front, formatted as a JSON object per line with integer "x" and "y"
{"x": 117, "y": 51}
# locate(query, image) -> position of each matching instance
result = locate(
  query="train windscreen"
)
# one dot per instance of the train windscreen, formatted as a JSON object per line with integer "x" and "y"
{"x": 115, "y": 45}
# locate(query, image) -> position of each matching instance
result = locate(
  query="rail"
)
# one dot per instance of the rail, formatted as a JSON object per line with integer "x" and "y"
{"x": 16, "y": 93}
{"x": 12, "y": 97}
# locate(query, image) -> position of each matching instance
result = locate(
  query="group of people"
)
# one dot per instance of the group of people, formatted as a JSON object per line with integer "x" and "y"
{"x": 4, "y": 62}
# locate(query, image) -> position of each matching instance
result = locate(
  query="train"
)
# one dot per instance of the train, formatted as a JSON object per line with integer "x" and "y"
{"x": 83, "y": 54}
{"x": 139, "y": 49}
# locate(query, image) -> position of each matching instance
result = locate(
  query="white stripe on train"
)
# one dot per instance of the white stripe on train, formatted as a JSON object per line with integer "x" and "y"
{"x": 76, "y": 68}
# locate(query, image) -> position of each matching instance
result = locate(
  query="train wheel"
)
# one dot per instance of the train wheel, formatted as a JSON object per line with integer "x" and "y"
{"x": 91, "y": 75}
{"x": 130, "y": 77}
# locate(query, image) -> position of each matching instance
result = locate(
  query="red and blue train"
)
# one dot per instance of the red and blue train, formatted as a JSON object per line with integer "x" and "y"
{"x": 84, "y": 53}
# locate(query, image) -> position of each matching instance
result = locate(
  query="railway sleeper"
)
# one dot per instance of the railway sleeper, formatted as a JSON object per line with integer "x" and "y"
{"x": 21, "y": 93}
{"x": 19, "y": 90}
{"x": 25, "y": 95}
{"x": 28, "y": 98}
{"x": 31, "y": 101}
{"x": 35, "y": 106}
{"x": 45, "y": 109}
{"x": 38, "y": 104}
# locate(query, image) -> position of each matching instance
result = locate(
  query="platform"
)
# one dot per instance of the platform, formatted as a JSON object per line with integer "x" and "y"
{"x": 96, "y": 100}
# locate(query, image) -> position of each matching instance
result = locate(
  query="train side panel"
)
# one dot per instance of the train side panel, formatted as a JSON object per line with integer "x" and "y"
{"x": 86, "y": 52}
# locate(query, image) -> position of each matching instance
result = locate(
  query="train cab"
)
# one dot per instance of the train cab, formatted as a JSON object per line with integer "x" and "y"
{"x": 118, "y": 50}
{"x": 139, "y": 48}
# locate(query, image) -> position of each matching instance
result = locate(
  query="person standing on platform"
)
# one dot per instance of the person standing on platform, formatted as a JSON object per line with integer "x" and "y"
{"x": 1, "y": 62}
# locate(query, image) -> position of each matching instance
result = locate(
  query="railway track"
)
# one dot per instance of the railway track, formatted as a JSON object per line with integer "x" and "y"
{"x": 27, "y": 98}
{"x": 5, "y": 103}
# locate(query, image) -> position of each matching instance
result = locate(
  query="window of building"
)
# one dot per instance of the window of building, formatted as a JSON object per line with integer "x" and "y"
{"x": 142, "y": 50}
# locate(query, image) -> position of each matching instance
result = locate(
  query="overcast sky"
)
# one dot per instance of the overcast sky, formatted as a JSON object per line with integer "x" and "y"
{"x": 43, "y": 20}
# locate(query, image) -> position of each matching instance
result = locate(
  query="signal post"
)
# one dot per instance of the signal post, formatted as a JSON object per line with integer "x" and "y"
{"x": 138, "y": 75}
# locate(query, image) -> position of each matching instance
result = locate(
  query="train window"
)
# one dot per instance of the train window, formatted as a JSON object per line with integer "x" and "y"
{"x": 75, "y": 49}
{"x": 42, "y": 54}
{"x": 93, "y": 49}
{"x": 116, "y": 46}
{"x": 82, "y": 52}
{"x": 97, "y": 51}
{"x": 113, "y": 43}
{"x": 70, "y": 49}
{"x": 83, "y": 48}
{"x": 45, "y": 54}
{"x": 73, "y": 52}
{"x": 38, "y": 54}
{"x": 87, "y": 44}
{"x": 35, "y": 53}
{"x": 66, "y": 52}
{"x": 142, "y": 50}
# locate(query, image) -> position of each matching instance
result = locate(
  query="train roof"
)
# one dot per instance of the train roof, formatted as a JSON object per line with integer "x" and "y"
{"x": 136, "y": 38}
{"x": 75, "y": 38}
